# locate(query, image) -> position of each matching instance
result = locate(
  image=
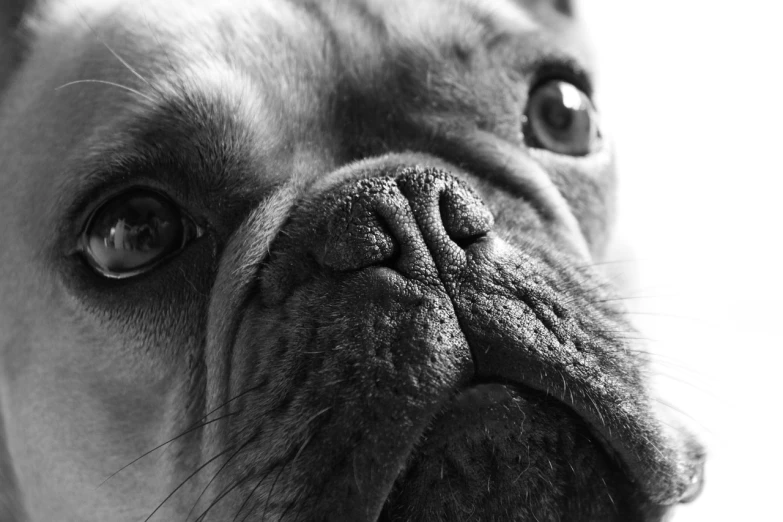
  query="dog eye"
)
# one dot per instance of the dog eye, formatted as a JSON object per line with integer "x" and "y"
{"x": 132, "y": 232}
{"x": 561, "y": 118}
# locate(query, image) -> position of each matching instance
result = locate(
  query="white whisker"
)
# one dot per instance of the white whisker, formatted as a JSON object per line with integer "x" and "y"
{"x": 113, "y": 52}
{"x": 113, "y": 84}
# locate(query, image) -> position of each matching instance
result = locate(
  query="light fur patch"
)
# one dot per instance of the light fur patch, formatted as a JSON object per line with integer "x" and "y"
{"x": 51, "y": 14}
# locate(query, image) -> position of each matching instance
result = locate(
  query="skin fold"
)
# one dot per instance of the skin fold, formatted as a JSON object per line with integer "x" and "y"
{"x": 387, "y": 302}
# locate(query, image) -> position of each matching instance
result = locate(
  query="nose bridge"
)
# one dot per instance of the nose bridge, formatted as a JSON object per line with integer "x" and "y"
{"x": 406, "y": 220}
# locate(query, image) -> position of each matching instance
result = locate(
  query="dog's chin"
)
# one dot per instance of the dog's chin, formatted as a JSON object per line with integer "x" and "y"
{"x": 510, "y": 453}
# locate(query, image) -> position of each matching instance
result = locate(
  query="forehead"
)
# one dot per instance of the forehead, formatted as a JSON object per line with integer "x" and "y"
{"x": 285, "y": 45}
{"x": 437, "y": 15}
{"x": 263, "y": 27}
{"x": 256, "y": 56}
{"x": 278, "y": 44}
{"x": 285, "y": 48}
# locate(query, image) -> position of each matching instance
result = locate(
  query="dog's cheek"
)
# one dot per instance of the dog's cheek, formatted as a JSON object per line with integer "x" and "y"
{"x": 91, "y": 380}
{"x": 73, "y": 415}
{"x": 588, "y": 184}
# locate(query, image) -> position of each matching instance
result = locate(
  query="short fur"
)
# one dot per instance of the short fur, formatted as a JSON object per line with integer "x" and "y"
{"x": 394, "y": 312}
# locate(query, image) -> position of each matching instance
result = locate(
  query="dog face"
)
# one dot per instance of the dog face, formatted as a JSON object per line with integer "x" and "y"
{"x": 330, "y": 260}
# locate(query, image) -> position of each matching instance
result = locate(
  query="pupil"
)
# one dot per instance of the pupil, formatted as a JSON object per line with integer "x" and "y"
{"x": 145, "y": 237}
{"x": 142, "y": 237}
{"x": 558, "y": 116}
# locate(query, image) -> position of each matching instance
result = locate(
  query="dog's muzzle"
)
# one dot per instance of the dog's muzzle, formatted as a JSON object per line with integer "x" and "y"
{"x": 406, "y": 309}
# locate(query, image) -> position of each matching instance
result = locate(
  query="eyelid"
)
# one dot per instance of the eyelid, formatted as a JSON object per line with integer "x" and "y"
{"x": 562, "y": 68}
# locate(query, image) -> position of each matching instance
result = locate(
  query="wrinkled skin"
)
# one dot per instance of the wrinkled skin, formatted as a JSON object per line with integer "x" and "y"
{"x": 391, "y": 311}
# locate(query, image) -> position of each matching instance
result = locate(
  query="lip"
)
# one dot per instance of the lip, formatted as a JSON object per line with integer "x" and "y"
{"x": 490, "y": 437}
{"x": 664, "y": 463}
{"x": 481, "y": 398}
{"x": 477, "y": 409}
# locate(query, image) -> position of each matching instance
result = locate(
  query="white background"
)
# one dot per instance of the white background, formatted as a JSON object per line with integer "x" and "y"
{"x": 692, "y": 91}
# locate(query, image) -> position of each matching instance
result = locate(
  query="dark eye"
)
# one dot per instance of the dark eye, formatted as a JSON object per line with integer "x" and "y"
{"x": 561, "y": 118}
{"x": 133, "y": 232}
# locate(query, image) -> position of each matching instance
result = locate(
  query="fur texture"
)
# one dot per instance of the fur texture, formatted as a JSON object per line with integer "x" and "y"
{"x": 392, "y": 311}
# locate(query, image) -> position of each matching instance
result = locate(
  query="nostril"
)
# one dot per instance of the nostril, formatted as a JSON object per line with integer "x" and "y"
{"x": 357, "y": 236}
{"x": 465, "y": 242}
{"x": 393, "y": 251}
{"x": 465, "y": 217}
{"x": 393, "y": 221}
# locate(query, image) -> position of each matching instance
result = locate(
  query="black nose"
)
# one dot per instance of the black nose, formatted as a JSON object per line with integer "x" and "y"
{"x": 381, "y": 221}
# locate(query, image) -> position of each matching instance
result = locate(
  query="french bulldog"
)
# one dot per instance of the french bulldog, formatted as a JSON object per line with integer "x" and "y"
{"x": 304, "y": 260}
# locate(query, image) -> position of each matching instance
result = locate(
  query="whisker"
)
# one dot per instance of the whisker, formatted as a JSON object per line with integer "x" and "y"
{"x": 656, "y": 314}
{"x": 631, "y": 298}
{"x": 222, "y": 467}
{"x": 597, "y": 264}
{"x": 258, "y": 484}
{"x": 683, "y": 413}
{"x": 189, "y": 430}
{"x": 686, "y": 382}
{"x": 299, "y": 452}
{"x": 249, "y": 496}
{"x": 112, "y": 51}
{"x": 126, "y": 64}
{"x": 660, "y": 359}
{"x": 261, "y": 480}
{"x": 235, "y": 397}
{"x": 157, "y": 40}
{"x": 199, "y": 424}
{"x": 291, "y": 463}
{"x": 224, "y": 404}
{"x": 318, "y": 497}
{"x": 221, "y": 496}
{"x": 293, "y": 502}
{"x": 113, "y": 84}
{"x": 186, "y": 480}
